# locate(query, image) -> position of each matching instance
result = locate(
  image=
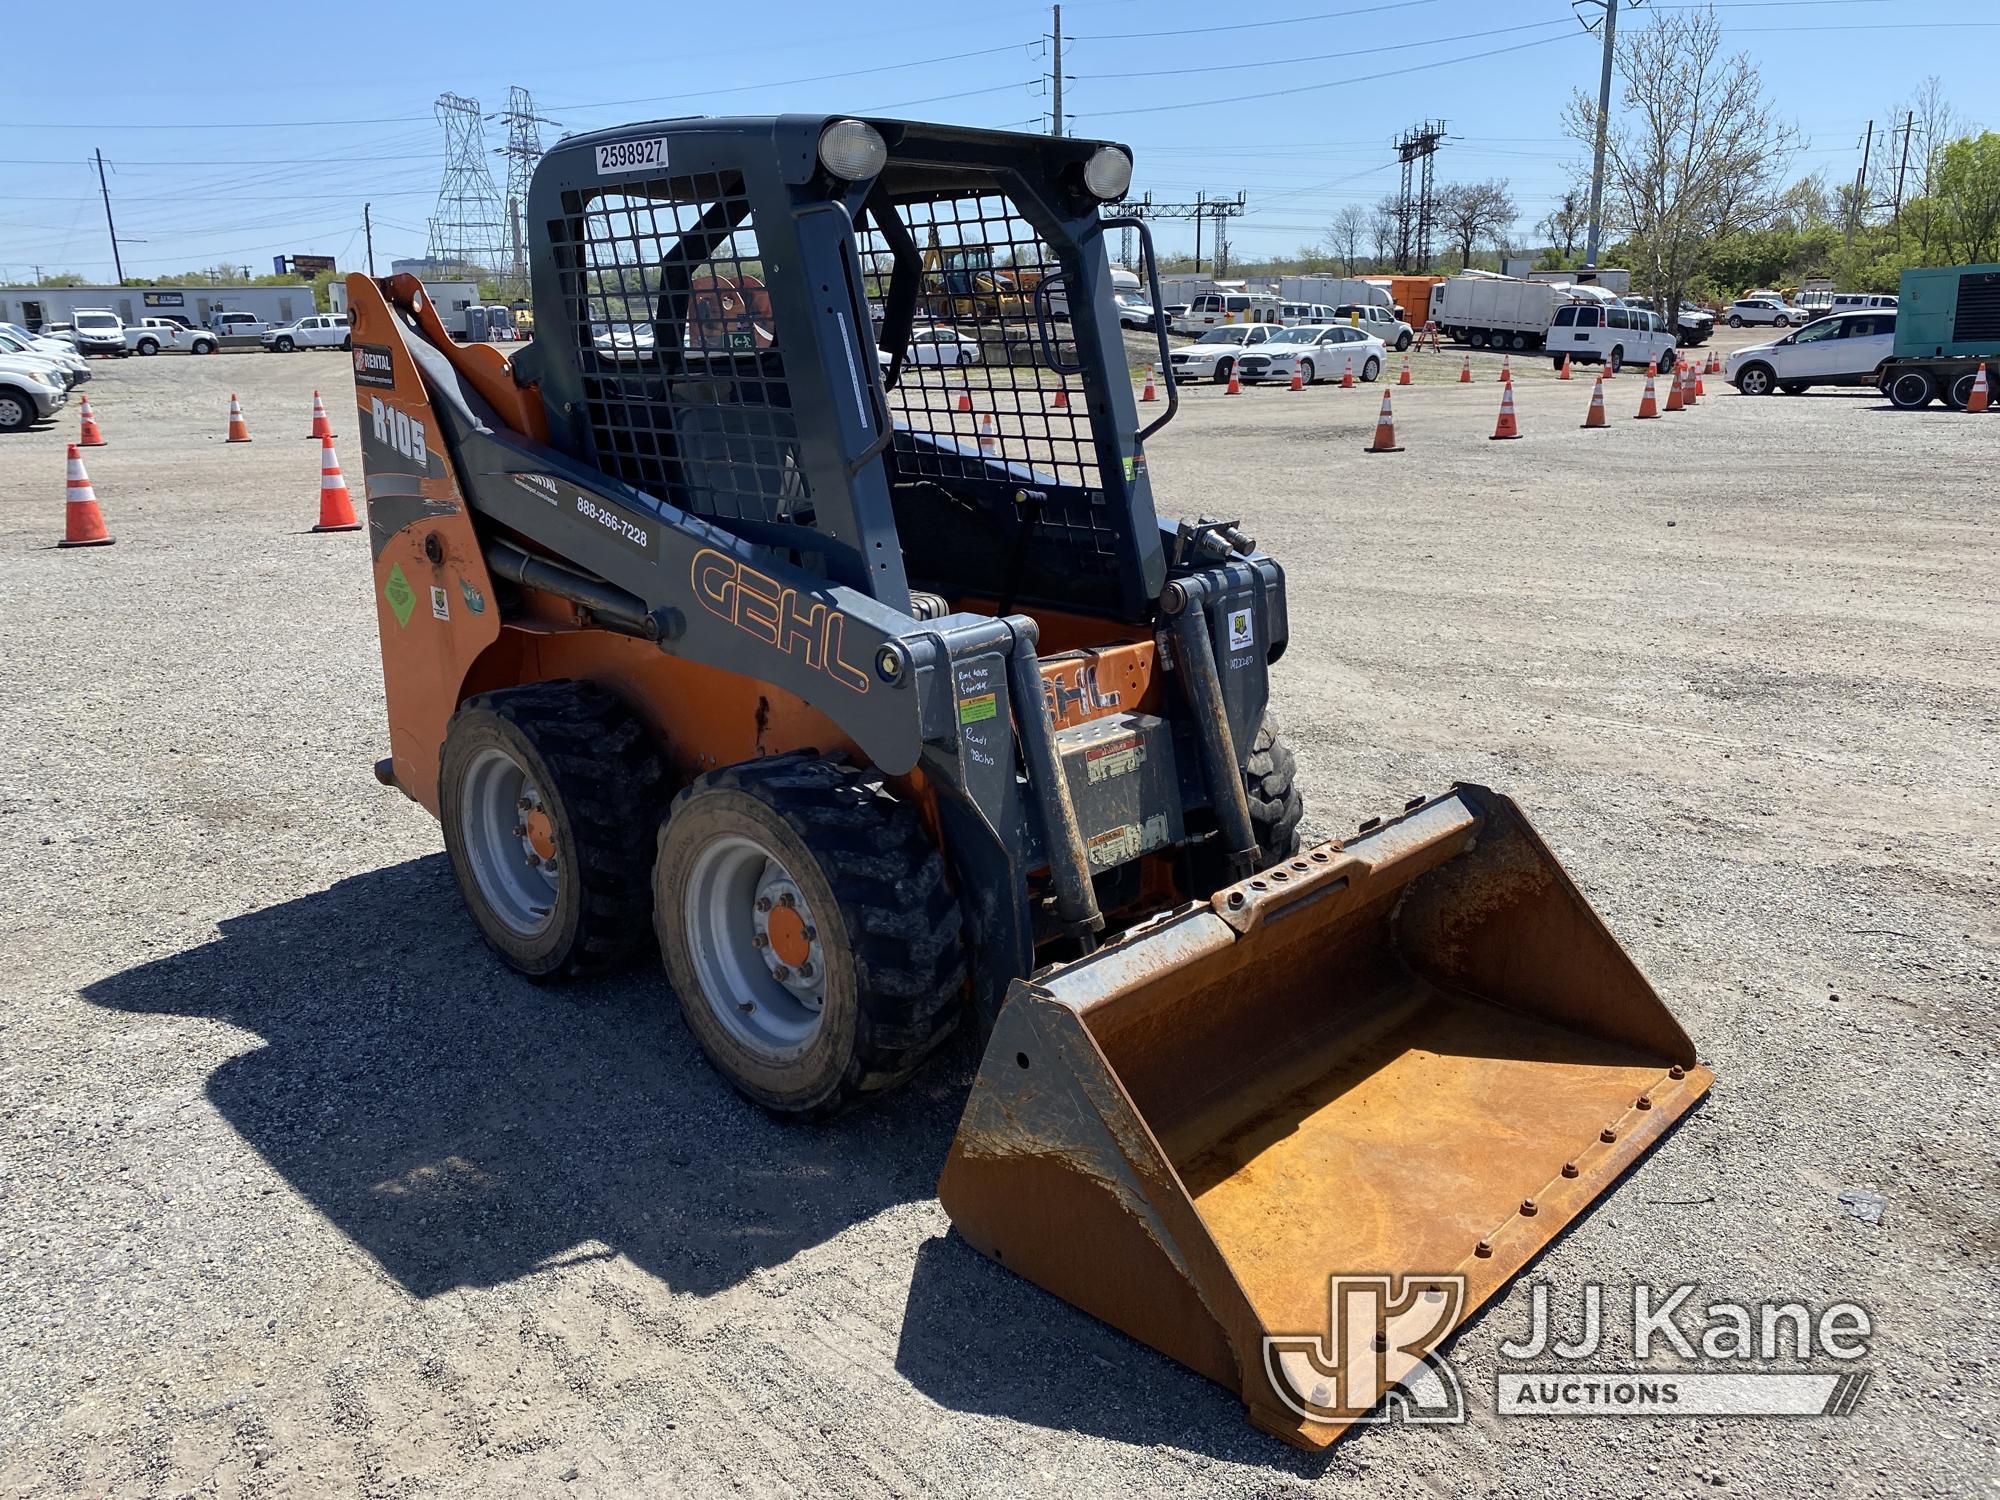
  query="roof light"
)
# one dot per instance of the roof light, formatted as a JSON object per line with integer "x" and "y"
{"x": 852, "y": 149}
{"x": 1108, "y": 173}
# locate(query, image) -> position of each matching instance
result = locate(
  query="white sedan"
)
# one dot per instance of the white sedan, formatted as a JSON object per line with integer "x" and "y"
{"x": 941, "y": 346}
{"x": 1214, "y": 354}
{"x": 1316, "y": 354}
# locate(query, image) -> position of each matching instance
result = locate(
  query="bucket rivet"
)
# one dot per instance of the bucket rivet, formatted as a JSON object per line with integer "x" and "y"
{"x": 1607, "y": 1135}
{"x": 1320, "y": 856}
{"x": 1643, "y": 1102}
{"x": 1677, "y": 1071}
{"x": 1528, "y": 1209}
{"x": 1483, "y": 1250}
{"x": 1236, "y": 898}
{"x": 1280, "y": 875}
{"x": 1569, "y": 1169}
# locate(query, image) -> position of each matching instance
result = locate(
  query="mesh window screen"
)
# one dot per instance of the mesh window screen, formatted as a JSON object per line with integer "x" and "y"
{"x": 683, "y": 378}
{"x": 980, "y": 378}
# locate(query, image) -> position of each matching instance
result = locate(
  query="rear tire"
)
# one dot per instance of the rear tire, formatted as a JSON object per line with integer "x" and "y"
{"x": 149, "y": 346}
{"x": 870, "y": 914}
{"x": 576, "y": 771}
{"x": 1958, "y": 395}
{"x": 1794, "y": 387}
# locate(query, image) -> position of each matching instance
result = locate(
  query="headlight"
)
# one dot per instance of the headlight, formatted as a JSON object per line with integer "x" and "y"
{"x": 852, "y": 149}
{"x": 1108, "y": 173}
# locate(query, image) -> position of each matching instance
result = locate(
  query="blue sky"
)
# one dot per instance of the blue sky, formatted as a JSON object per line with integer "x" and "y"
{"x": 237, "y": 142}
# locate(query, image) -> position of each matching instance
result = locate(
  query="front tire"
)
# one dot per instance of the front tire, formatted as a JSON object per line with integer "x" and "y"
{"x": 807, "y": 929}
{"x": 17, "y": 412}
{"x": 1755, "y": 380}
{"x": 1734, "y": 321}
{"x": 1403, "y": 341}
{"x": 1781, "y": 321}
{"x": 203, "y": 346}
{"x": 1616, "y": 358}
{"x": 1222, "y": 369}
{"x": 1270, "y": 780}
{"x": 549, "y": 796}
{"x": 284, "y": 346}
{"x": 1911, "y": 390}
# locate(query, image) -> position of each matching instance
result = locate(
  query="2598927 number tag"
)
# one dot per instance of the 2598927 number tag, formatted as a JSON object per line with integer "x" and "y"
{"x": 632, "y": 156}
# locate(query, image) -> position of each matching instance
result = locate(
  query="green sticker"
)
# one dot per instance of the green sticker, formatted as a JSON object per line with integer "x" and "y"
{"x": 1129, "y": 467}
{"x": 402, "y": 598}
{"x": 973, "y": 710}
{"x": 474, "y": 599}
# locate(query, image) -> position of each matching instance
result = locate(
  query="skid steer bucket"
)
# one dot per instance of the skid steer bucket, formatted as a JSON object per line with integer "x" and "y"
{"x": 1417, "y": 1056}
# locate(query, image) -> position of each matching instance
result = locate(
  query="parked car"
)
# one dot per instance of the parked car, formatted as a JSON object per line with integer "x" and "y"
{"x": 1694, "y": 325}
{"x": 1305, "y": 314}
{"x": 1862, "y": 302}
{"x": 150, "y": 335}
{"x": 229, "y": 324}
{"x": 1844, "y": 348}
{"x": 1614, "y": 336}
{"x": 14, "y": 339}
{"x": 941, "y": 346}
{"x": 99, "y": 331}
{"x": 1214, "y": 354}
{"x": 55, "y": 365}
{"x": 319, "y": 331}
{"x": 31, "y": 391}
{"x": 1764, "y": 310}
{"x": 1134, "y": 311}
{"x": 1316, "y": 353}
{"x": 1383, "y": 322}
{"x": 625, "y": 341}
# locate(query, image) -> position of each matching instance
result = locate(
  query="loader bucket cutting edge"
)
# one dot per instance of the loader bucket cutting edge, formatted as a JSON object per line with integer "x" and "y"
{"x": 1420, "y": 1054}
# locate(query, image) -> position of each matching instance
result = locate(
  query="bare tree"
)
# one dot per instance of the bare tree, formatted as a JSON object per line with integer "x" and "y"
{"x": 1384, "y": 227}
{"x": 1471, "y": 212}
{"x": 1564, "y": 225}
{"x": 1344, "y": 236}
{"x": 1696, "y": 153}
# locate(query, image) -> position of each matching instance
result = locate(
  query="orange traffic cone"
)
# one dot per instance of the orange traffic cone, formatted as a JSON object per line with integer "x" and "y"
{"x": 1062, "y": 397}
{"x": 1595, "y": 416}
{"x": 1506, "y": 369}
{"x": 1235, "y": 386}
{"x": 1347, "y": 375}
{"x": 1676, "y": 385}
{"x": 1700, "y": 390}
{"x": 321, "y": 427}
{"x": 1692, "y": 392}
{"x": 1465, "y": 371}
{"x": 1608, "y": 372}
{"x": 1981, "y": 398}
{"x": 989, "y": 436}
{"x": 239, "y": 431}
{"x": 1404, "y": 378}
{"x": 91, "y": 437}
{"x": 1298, "y": 380}
{"x": 1506, "y": 427}
{"x": 1714, "y": 362}
{"x": 1385, "y": 429}
{"x": 83, "y": 522}
{"x": 1149, "y": 394}
{"x": 1649, "y": 406}
{"x": 964, "y": 392}
{"x": 336, "y": 508}
{"x": 1565, "y": 369}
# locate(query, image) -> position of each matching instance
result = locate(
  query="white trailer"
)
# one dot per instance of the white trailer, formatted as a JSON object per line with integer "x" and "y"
{"x": 1482, "y": 309}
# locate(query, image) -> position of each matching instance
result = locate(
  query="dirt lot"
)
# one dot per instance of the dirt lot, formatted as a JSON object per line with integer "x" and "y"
{"x": 301, "y": 1193}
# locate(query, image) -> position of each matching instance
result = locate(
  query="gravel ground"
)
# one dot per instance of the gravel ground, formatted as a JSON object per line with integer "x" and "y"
{"x": 302, "y": 1193}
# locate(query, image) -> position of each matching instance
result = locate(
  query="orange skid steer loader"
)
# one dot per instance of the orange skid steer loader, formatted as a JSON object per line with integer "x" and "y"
{"x": 714, "y": 617}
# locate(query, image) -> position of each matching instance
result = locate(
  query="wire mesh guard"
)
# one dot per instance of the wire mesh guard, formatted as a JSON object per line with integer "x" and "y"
{"x": 685, "y": 382}
{"x": 683, "y": 377}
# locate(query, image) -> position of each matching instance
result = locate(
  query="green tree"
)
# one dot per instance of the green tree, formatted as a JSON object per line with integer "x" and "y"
{"x": 1966, "y": 203}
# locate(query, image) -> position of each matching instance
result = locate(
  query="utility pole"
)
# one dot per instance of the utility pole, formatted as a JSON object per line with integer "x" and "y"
{"x": 368, "y": 229}
{"x": 110, "y": 228}
{"x": 1200, "y": 206}
{"x": 1603, "y": 132}
{"x": 1860, "y": 185}
{"x": 1909, "y": 128}
{"x": 1057, "y": 85}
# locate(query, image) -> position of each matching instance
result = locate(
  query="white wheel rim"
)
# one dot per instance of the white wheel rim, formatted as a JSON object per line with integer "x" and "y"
{"x": 509, "y": 841}
{"x": 12, "y": 413}
{"x": 755, "y": 948}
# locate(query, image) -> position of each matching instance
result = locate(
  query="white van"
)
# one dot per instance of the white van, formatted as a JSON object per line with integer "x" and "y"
{"x": 1614, "y": 336}
{"x": 1861, "y": 302}
{"x": 1216, "y": 309}
{"x": 1312, "y": 314}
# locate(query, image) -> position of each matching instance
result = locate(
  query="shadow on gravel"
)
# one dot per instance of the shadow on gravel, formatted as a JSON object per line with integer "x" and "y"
{"x": 979, "y": 1339}
{"x": 465, "y": 1127}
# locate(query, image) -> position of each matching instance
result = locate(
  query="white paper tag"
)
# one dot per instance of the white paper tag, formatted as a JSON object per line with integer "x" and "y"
{"x": 632, "y": 156}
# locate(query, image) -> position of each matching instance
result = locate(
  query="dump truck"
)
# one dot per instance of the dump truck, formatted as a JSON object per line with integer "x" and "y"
{"x": 1947, "y": 327}
{"x": 881, "y": 699}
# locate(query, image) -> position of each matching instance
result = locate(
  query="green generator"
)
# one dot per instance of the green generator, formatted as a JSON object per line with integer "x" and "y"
{"x": 1947, "y": 327}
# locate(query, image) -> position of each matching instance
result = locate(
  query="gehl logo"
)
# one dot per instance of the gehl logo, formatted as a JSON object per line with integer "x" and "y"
{"x": 775, "y": 614}
{"x": 1075, "y": 697}
{"x": 393, "y": 427}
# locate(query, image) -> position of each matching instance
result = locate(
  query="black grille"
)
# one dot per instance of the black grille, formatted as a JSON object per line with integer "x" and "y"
{"x": 1978, "y": 318}
{"x": 683, "y": 378}
{"x": 983, "y": 392}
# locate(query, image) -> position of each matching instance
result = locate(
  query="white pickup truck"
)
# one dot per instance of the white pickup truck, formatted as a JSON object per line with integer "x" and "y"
{"x": 151, "y": 335}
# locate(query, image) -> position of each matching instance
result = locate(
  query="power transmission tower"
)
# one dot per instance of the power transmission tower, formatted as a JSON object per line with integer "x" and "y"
{"x": 1203, "y": 208}
{"x": 466, "y": 229}
{"x": 1858, "y": 201}
{"x": 1416, "y": 208}
{"x": 1053, "y": 82}
{"x": 523, "y": 150}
